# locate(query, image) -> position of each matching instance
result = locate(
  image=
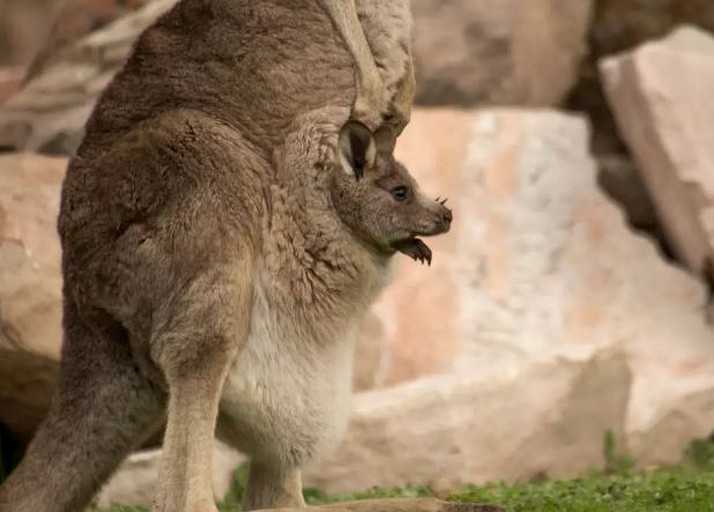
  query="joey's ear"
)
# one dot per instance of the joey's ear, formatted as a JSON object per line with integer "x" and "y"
{"x": 357, "y": 147}
{"x": 385, "y": 138}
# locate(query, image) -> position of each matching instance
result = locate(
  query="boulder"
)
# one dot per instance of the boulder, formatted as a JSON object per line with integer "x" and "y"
{"x": 620, "y": 178}
{"x": 76, "y": 19}
{"x": 24, "y": 24}
{"x": 658, "y": 94}
{"x": 538, "y": 264}
{"x": 620, "y": 25}
{"x": 10, "y": 79}
{"x": 48, "y": 114}
{"x": 496, "y": 52}
{"x": 30, "y": 288}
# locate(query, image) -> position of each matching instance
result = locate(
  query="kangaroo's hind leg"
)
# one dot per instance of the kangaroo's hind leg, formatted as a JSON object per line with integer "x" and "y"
{"x": 102, "y": 408}
{"x": 195, "y": 344}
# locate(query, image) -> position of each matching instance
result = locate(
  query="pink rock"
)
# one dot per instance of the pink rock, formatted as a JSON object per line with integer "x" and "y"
{"x": 539, "y": 264}
{"x": 499, "y": 52}
{"x": 30, "y": 287}
{"x": 659, "y": 96}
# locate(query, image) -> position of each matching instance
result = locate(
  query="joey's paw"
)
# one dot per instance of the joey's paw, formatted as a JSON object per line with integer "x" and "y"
{"x": 471, "y": 507}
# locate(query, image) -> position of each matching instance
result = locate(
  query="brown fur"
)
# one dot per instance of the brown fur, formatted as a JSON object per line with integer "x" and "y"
{"x": 223, "y": 231}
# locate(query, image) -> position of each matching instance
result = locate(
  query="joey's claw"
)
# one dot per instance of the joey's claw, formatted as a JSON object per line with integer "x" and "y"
{"x": 423, "y": 251}
{"x": 415, "y": 249}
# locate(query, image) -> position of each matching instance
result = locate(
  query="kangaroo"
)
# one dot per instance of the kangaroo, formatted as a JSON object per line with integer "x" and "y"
{"x": 224, "y": 227}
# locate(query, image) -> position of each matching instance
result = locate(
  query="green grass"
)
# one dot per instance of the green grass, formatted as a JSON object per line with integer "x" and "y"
{"x": 617, "y": 488}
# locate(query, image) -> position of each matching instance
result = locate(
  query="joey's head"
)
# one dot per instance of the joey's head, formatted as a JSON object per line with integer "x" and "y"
{"x": 376, "y": 197}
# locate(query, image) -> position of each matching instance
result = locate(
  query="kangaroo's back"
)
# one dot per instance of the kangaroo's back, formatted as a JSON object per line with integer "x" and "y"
{"x": 253, "y": 65}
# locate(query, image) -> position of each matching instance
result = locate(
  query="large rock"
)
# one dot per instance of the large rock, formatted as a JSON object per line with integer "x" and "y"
{"x": 24, "y": 24}
{"x": 10, "y": 79}
{"x": 539, "y": 264}
{"x": 621, "y": 25}
{"x": 76, "y": 19}
{"x": 659, "y": 96}
{"x": 617, "y": 26}
{"x": 30, "y": 288}
{"x": 49, "y": 112}
{"x": 495, "y": 52}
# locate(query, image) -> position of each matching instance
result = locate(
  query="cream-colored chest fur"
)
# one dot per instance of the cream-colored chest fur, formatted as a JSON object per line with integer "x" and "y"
{"x": 286, "y": 397}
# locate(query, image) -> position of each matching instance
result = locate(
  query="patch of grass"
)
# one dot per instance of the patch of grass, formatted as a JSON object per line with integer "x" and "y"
{"x": 660, "y": 491}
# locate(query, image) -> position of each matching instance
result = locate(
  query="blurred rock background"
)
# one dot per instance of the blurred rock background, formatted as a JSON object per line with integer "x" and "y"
{"x": 575, "y": 140}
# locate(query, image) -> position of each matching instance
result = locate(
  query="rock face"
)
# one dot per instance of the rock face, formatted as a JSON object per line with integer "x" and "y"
{"x": 23, "y": 26}
{"x": 541, "y": 265}
{"x": 497, "y": 52}
{"x": 30, "y": 288}
{"x": 48, "y": 114}
{"x": 10, "y": 79}
{"x": 656, "y": 93}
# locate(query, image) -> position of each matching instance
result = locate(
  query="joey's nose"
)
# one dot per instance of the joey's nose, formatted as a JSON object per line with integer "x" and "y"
{"x": 447, "y": 216}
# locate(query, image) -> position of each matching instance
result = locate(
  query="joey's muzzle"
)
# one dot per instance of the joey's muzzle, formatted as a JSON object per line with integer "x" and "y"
{"x": 437, "y": 223}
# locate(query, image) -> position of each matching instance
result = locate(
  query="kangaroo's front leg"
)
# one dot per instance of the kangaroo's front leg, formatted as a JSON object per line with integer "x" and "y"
{"x": 195, "y": 349}
{"x": 372, "y": 99}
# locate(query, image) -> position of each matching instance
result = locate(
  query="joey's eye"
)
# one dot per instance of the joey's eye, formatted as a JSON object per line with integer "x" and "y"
{"x": 400, "y": 193}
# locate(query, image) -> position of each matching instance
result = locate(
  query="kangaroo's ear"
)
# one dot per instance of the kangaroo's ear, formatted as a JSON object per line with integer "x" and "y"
{"x": 357, "y": 147}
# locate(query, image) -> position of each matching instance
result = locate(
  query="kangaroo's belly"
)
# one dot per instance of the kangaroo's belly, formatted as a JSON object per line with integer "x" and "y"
{"x": 286, "y": 399}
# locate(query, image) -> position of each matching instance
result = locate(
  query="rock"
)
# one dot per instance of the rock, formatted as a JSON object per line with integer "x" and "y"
{"x": 30, "y": 288}
{"x": 538, "y": 264}
{"x": 48, "y": 114}
{"x": 620, "y": 178}
{"x": 658, "y": 95}
{"x": 621, "y": 25}
{"x": 617, "y": 26}
{"x": 10, "y": 78}
{"x": 545, "y": 421}
{"x": 498, "y": 52}
{"x": 76, "y": 19}
{"x": 23, "y": 26}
